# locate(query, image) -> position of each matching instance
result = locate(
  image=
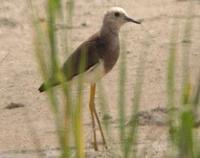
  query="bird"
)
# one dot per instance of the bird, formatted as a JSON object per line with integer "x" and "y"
{"x": 99, "y": 53}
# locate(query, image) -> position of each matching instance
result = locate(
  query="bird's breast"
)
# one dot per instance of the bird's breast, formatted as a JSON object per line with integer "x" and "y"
{"x": 108, "y": 50}
{"x": 110, "y": 60}
{"x": 111, "y": 56}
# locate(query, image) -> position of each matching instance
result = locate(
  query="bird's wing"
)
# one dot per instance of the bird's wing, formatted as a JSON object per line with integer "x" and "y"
{"x": 87, "y": 55}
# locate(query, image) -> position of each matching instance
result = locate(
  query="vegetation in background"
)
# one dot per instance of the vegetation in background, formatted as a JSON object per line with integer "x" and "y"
{"x": 181, "y": 123}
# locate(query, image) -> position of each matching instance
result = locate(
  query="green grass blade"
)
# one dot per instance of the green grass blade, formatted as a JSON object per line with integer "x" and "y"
{"x": 121, "y": 94}
{"x": 132, "y": 131}
{"x": 171, "y": 68}
{"x": 187, "y": 122}
{"x": 104, "y": 108}
{"x": 52, "y": 9}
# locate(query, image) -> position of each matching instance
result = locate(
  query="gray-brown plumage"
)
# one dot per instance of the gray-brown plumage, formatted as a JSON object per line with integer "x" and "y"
{"x": 98, "y": 55}
{"x": 101, "y": 49}
{"x": 93, "y": 50}
{"x": 96, "y": 48}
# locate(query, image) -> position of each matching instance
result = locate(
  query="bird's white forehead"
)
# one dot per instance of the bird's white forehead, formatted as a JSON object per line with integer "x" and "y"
{"x": 117, "y": 9}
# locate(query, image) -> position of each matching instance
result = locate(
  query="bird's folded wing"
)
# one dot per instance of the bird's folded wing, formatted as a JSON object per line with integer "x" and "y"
{"x": 87, "y": 55}
{"x": 84, "y": 57}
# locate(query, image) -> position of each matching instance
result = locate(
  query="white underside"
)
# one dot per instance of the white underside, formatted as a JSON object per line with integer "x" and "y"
{"x": 93, "y": 74}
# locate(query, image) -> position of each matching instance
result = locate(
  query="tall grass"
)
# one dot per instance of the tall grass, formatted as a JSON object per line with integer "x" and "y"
{"x": 66, "y": 124}
{"x": 171, "y": 69}
{"x": 70, "y": 127}
{"x": 122, "y": 95}
{"x": 181, "y": 124}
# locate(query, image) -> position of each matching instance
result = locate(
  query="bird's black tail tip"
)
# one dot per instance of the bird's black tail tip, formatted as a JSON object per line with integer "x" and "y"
{"x": 47, "y": 85}
{"x": 42, "y": 88}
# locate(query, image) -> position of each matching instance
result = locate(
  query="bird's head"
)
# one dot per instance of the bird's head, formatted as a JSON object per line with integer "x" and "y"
{"x": 117, "y": 16}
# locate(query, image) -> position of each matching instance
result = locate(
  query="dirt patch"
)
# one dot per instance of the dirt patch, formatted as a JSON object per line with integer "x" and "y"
{"x": 14, "y": 105}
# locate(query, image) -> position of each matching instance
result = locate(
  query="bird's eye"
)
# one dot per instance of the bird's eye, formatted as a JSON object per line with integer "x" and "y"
{"x": 117, "y": 14}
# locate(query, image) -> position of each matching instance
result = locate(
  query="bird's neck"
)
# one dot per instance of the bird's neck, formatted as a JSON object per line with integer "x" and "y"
{"x": 109, "y": 30}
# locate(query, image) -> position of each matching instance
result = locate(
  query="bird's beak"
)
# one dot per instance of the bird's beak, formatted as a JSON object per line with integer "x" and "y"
{"x": 128, "y": 19}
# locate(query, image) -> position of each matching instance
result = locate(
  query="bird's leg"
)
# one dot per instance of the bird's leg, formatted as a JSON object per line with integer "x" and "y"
{"x": 93, "y": 88}
{"x": 101, "y": 131}
{"x": 91, "y": 106}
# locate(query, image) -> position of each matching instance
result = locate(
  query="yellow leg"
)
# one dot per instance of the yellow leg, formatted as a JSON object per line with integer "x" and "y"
{"x": 94, "y": 113}
{"x": 91, "y": 106}
{"x": 101, "y": 131}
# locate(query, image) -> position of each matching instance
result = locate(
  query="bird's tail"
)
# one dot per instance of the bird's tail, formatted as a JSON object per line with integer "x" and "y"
{"x": 47, "y": 85}
{"x": 42, "y": 88}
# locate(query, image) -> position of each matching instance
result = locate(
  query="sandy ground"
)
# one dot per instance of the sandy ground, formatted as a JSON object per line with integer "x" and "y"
{"x": 20, "y": 77}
